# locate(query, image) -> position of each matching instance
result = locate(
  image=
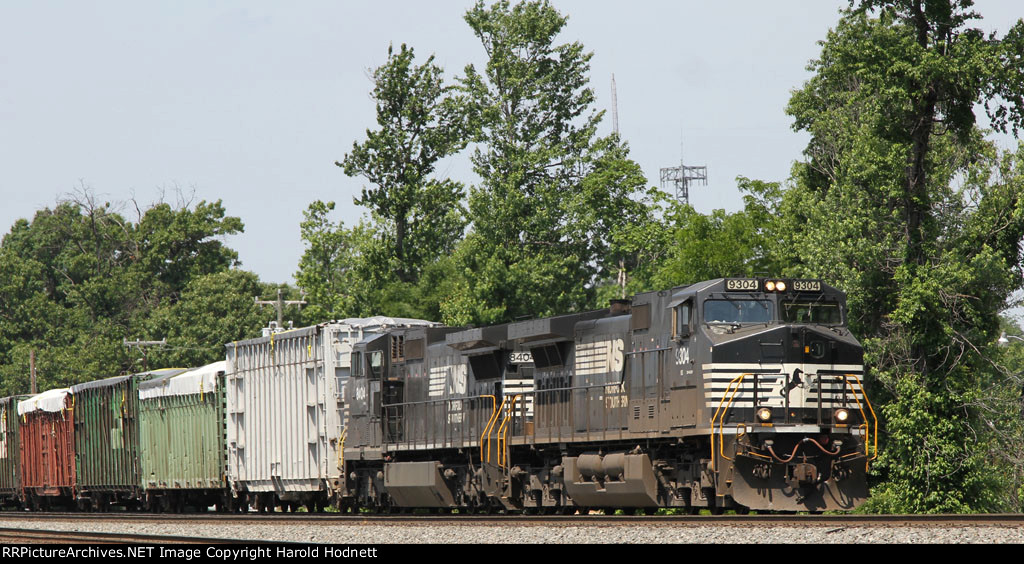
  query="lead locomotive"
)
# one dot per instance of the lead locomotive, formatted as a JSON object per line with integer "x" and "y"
{"x": 730, "y": 393}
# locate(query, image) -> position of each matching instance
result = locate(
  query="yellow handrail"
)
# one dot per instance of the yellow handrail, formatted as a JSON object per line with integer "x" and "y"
{"x": 503, "y": 432}
{"x": 495, "y": 410}
{"x": 341, "y": 451}
{"x": 869, "y": 441}
{"x": 721, "y": 423}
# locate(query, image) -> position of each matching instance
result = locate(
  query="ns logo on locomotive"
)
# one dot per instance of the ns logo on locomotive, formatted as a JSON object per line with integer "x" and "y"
{"x": 741, "y": 393}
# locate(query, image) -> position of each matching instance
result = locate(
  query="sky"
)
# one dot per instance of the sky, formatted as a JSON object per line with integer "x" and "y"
{"x": 252, "y": 102}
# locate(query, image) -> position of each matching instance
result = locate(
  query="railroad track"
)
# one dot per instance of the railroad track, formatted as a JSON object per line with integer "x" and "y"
{"x": 563, "y": 520}
{"x": 46, "y": 536}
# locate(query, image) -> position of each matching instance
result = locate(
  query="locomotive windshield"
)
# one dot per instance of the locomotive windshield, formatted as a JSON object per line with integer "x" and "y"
{"x": 807, "y": 311}
{"x": 737, "y": 311}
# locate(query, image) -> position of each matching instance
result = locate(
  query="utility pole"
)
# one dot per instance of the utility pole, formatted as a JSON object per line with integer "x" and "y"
{"x": 142, "y": 345}
{"x": 32, "y": 369}
{"x": 279, "y": 304}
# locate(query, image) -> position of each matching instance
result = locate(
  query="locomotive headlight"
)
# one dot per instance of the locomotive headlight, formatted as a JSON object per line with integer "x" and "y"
{"x": 842, "y": 415}
{"x": 764, "y": 414}
{"x": 780, "y": 286}
{"x": 770, "y": 285}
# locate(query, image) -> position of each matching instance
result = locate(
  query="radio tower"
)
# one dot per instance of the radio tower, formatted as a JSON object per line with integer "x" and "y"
{"x": 615, "y": 108}
{"x": 681, "y": 176}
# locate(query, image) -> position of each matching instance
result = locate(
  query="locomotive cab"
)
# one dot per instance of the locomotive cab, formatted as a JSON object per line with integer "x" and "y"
{"x": 783, "y": 381}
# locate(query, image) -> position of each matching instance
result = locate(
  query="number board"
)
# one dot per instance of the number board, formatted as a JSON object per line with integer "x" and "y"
{"x": 742, "y": 285}
{"x": 524, "y": 357}
{"x": 807, "y": 285}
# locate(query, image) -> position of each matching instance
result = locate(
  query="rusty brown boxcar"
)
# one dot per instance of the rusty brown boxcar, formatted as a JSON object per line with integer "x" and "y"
{"x": 47, "y": 449}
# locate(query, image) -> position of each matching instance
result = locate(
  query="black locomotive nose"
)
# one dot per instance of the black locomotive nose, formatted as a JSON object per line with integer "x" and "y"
{"x": 811, "y": 346}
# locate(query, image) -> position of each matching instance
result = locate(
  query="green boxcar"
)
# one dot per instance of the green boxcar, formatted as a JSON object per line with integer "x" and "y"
{"x": 107, "y": 439}
{"x": 181, "y": 447}
{"x": 10, "y": 467}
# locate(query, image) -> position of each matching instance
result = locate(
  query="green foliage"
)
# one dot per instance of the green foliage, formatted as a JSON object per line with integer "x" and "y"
{"x": 79, "y": 279}
{"x": 214, "y": 309}
{"x": 903, "y": 205}
{"x": 416, "y": 218}
{"x": 344, "y": 273}
{"x": 551, "y": 195}
{"x": 328, "y": 267}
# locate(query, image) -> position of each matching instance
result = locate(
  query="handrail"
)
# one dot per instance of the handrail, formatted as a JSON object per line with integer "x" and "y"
{"x": 868, "y": 440}
{"x": 568, "y": 388}
{"x": 341, "y": 450}
{"x": 737, "y": 381}
{"x": 487, "y": 431}
{"x": 503, "y": 432}
{"x": 494, "y": 411}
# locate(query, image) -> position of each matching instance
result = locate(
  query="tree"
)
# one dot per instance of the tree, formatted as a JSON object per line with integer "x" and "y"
{"x": 327, "y": 267}
{"x": 80, "y": 278}
{"x": 904, "y": 205}
{"x": 418, "y": 218}
{"x": 214, "y": 309}
{"x": 550, "y": 195}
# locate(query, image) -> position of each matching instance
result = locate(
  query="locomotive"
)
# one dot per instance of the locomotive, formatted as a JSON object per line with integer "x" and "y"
{"x": 741, "y": 393}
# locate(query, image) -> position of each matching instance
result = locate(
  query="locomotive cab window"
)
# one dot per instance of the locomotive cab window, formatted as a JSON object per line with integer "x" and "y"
{"x": 812, "y": 311}
{"x": 376, "y": 363}
{"x": 681, "y": 315}
{"x": 738, "y": 311}
{"x": 357, "y": 364}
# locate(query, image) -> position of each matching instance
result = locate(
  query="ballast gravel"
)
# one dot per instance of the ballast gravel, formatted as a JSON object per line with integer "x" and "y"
{"x": 351, "y": 533}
